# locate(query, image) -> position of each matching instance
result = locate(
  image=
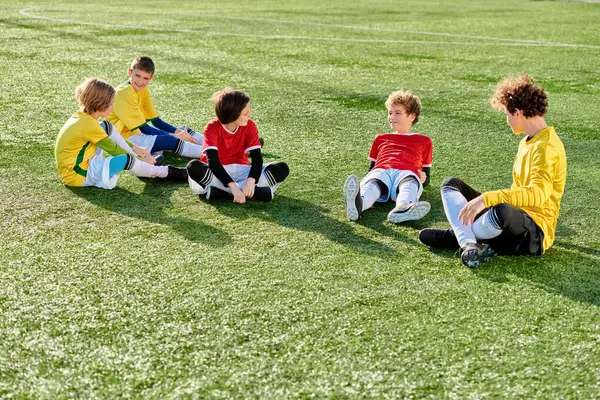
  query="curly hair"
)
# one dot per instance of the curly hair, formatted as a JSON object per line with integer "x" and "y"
{"x": 94, "y": 95}
{"x": 520, "y": 92}
{"x": 229, "y": 104}
{"x": 410, "y": 102}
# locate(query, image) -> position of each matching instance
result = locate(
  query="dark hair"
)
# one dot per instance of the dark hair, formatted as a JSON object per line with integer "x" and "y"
{"x": 143, "y": 63}
{"x": 521, "y": 93}
{"x": 229, "y": 104}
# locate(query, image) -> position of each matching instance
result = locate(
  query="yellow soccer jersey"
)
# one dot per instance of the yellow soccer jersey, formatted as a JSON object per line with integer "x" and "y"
{"x": 75, "y": 145}
{"x": 132, "y": 109}
{"x": 539, "y": 176}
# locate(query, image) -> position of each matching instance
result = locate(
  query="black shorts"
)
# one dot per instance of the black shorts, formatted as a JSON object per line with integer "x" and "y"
{"x": 520, "y": 234}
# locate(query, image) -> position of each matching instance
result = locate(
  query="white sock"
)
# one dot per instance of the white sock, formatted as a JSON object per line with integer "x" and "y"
{"x": 454, "y": 201}
{"x": 145, "y": 170}
{"x": 486, "y": 226}
{"x": 189, "y": 150}
{"x": 407, "y": 192}
{"x": 369, "y": 192}
{"x": 198, "y": 137}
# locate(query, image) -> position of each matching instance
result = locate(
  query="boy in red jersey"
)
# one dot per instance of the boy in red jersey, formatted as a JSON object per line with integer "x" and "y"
{"x": 520, "y": 220}
{"x": 228, "y": 141}
{"x": 400, "y": 166}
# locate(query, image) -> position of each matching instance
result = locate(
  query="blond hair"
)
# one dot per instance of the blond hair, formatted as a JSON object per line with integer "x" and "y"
{"x": 410, "y": 102}
{"x": 94, "y": 95}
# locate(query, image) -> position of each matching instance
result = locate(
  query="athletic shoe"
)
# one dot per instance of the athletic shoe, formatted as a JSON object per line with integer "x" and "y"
{"x": 177, "y": 174}
{"x": 473, "y": 254}
{"x": 409, "y": 212}
{"x": 159, "y": 160}
{"x": 352, "y": 197}
{"x": 439, "y": 238}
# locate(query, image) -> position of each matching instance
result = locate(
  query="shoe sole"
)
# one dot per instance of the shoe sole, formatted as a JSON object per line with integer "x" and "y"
{"x": 417, "y": 211}
{"x": 476, "y": 261}
{"x": 351, "y": 189}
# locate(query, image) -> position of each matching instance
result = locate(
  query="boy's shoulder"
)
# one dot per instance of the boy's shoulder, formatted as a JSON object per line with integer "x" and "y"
{"x": 396, "y": 137}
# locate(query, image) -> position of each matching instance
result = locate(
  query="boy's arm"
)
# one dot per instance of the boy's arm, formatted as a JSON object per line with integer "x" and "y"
{"x": 256, "y": 165}
{"x": 164, "y": 126}
{"x": 150, "y": 130}
{"x": 111, "y": 147}
{"x": 427, "y": 171}
{"x": 217, "y": 168}
{"x": 371, "y": 165}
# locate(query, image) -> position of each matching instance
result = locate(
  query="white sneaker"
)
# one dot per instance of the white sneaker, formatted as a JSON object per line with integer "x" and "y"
{"x": 409, "y": 212}
{"x": 352, "y": 198}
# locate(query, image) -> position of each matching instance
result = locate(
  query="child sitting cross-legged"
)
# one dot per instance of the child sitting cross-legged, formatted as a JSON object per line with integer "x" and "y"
{"x": 229, "y": 139}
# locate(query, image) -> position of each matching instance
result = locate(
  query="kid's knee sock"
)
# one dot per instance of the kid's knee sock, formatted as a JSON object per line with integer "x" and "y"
{"x": 117, "y": 164}
{"x": 408, "y": 190}
{"x": 189, "y": 150}
{"x": 369, "y": 192}
{"x": 145, "y": 170}
{"x": 453, "y": 202}
{"x": 487, "y": 226}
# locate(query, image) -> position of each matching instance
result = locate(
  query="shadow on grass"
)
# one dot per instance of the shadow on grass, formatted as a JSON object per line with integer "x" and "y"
{"x": 150, "y": 205}
{"x": 566, "y": 269}
{"x": 305, "y": 216}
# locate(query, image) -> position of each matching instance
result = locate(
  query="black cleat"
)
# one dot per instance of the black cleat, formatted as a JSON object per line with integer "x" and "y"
{"x": 177, "y": 174}
{"x": 439, "y": 238}
{"x": 474, "y": 254}
{"x": 159, "y": 160}
{"x": 352, "y": 198}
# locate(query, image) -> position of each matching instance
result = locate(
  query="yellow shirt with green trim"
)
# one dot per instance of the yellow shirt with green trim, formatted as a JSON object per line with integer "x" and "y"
{"x": 132, "y": 109}
{"x": 75, "y": 145}
{"x": 539, "y": 177}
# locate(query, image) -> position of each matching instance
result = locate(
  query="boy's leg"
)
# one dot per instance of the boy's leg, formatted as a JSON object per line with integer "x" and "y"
{"x": 408, "y": 208}
{"x": 455, "y": 195}
{"x": 145, "y": 170}
{"x": 199, "y": 137}
{"x": 179, "y": 147}
{"x": 360, "y": 197}
{"x": 200, "y": 177}
{"x": 271, "y": 177}
{"x": 509, "y": 230}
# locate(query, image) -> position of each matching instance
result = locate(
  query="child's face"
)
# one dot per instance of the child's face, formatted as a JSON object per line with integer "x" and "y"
{"x": 139, "y": 79}
{"x": 244, "y": 116}
{"x": 399, "y": 120}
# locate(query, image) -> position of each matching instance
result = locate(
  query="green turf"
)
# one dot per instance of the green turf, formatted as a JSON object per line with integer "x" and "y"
{"x": 147, "y": 292}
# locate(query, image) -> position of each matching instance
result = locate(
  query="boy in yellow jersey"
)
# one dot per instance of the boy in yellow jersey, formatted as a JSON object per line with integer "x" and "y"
{"x": 520, "y": 220}
{"x": 82, "y": 140}
{"x": 134, "y": 112}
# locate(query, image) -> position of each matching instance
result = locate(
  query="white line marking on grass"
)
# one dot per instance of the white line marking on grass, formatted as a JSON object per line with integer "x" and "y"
{"x": 499, "y": 41}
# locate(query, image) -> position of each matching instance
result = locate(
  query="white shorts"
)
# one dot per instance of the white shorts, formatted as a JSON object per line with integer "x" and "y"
{"x": 391, "y": 178}
{"x": 98, "y": 173}
{"x": 143, "y": 140}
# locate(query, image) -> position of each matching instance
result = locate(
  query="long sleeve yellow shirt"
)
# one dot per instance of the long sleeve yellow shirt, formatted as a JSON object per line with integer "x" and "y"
{"x": 539, "y": 176}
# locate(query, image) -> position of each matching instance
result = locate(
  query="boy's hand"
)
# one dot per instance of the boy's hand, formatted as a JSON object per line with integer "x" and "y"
{"x": 248, "y": 188}
{"x": 238, "y": 195}
{"x": 183, "y": 134}
{"x": 469, "y": 212}
{"x": 144, "y": 154}
{"x": 422, "y": 176}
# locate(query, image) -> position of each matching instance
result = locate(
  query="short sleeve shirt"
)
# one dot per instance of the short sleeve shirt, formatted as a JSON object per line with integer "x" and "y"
{"x": 233, "y": 147}
{"x": 75, "y": 146}
{"x": 132, "y": 109}
{"x": 408, "y": 151}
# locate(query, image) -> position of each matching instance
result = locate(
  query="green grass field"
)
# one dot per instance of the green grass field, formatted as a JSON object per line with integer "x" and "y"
{"x": 145, "y": 291}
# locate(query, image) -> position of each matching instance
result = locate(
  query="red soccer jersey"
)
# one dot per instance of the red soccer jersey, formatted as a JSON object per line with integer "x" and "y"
{"x": 410, "y": 151}
{"x": 233, "y": 147}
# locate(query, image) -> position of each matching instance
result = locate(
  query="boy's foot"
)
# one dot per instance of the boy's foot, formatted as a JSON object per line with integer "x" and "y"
{"x": 409, "y": 212}
{"x": 439, "y": 238}
{"x": 159, "y": 160}
{"x": 177, "y": 174}
{"x": 474, "y": 254}
{"x": 352, "y": 198}
{"x": 214, "y": 193}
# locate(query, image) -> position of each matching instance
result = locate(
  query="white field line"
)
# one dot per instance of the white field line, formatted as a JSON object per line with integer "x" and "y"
{"x": 498, "y": 41}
